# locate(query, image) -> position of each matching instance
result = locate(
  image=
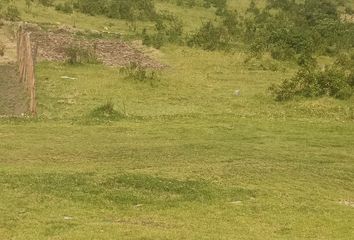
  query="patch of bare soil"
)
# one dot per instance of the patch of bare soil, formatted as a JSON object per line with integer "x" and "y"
{"x": 13, "y": 100}
{"x": 52, "y": 46}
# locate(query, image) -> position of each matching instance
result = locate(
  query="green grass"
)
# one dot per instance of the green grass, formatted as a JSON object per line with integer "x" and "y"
{"x": 189, "y": 161}
{"x": 181, "y": 157}
{"x": 213, "y": 178}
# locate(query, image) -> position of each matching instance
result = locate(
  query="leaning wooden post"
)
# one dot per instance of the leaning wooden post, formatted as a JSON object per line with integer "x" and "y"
{"x": 30, "y": 73}
{"x": 26, "y": 54}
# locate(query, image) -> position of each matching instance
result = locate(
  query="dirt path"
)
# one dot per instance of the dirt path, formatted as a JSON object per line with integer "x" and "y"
{"x": 13, "y": 100}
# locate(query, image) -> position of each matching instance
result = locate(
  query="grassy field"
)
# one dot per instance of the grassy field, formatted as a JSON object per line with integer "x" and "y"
{"x": 189, "y": 159}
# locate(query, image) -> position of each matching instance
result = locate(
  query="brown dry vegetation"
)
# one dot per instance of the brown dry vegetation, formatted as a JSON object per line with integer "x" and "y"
{"x": 52, "y": 46}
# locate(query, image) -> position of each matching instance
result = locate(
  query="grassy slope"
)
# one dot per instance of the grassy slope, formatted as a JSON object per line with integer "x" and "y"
{"x": 192, "y": 161}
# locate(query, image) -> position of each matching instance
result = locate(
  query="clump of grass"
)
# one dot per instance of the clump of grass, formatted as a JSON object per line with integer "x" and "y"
{"x": 107, "y": 111}
{"x": 77, "y": 54}
{"x": 12, "y": 13}
{"x": 66, "y": 7}
{"x": 137, "y": 72}
{"x": 2, "y": 49}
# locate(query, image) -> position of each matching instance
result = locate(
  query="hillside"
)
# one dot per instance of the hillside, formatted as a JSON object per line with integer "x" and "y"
{"x": 144, "y": 131}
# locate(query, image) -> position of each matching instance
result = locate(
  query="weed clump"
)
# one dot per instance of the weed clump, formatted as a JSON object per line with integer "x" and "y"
{"x": 2, "y": 49}
{"x": 77, "y": 54}
{"x": 136, "y": 72}
{"x": 12, "y": 13}
{"x": 66, "y": 7}
{"x": 107, "y": 111}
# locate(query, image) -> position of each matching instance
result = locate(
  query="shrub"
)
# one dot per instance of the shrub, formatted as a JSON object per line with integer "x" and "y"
{"x": 137, "y": 72}
{"x": 2, "y": 49}
{"x": 12, "y": 13}
{"x": 306, "y": 60}
{"x": 77, "y": 54}
{"x": 313, "y": 82}
{"x": 345, "y": 60}
{"x": 64, "y": 7}
{"x": 349, "y": 10}
{"x": 91, "y": 7}
{"x": 169, "y": 29}
{"x": 351, "y": 80}
{"x": 232, "y": 23}
{"x": 28, "y": 4}
{"x": 220, "y": 5}
{"x": 210, "y": 37}
{"x": 120, "y": 9}
{"x": 46, "y": 3}
{"x": 187, "y": 3}
{"x": 288, "y": 28}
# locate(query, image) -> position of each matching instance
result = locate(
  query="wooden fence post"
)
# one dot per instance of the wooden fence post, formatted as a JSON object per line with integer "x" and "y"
{"x": 26, "y": 61}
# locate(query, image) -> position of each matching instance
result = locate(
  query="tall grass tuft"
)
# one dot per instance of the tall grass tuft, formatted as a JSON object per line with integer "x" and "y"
{"x": 77, "y": 54}
{"x": 136, "y": 72}
{"x": 107, "y": 111}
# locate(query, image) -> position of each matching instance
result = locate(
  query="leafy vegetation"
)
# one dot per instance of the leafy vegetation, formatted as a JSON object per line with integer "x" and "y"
{"x": 12, "y": 13}
{"x": 168, "y": 29}
{"x": 2, "y": 49}
{"x": 135, "y": 71}
{"x": 121, "y": 9}
{"x": 46, "y": 3}
{"x": 288, "y": 28}
{"x": 66, "y": 7}
{"x": 78, "y": 54}
{"x": 308, "y": 82}
{"x": 107, "y": 112}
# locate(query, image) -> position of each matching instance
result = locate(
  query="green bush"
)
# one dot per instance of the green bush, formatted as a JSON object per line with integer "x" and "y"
{"x": 46, "y": 3}
{"x": 2, "y": 49}
{"x": 210, "y": 37}
{"x": 66, "y": 7}
{"x": 120, "y": 9}
{"x": 77, "y": 54}
{"x": 168, "y": 29}
{"x": 310, "y": 82}
{"x": 220, "y": 5}
{"x": 346, "y": 60}
{"x": 188, "y": 3}
{"x": 288, "y": 28}
{"x": 12, "y": 13}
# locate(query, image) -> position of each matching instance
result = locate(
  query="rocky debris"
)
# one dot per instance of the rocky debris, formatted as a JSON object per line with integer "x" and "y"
{"x": 52, "y": 46}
